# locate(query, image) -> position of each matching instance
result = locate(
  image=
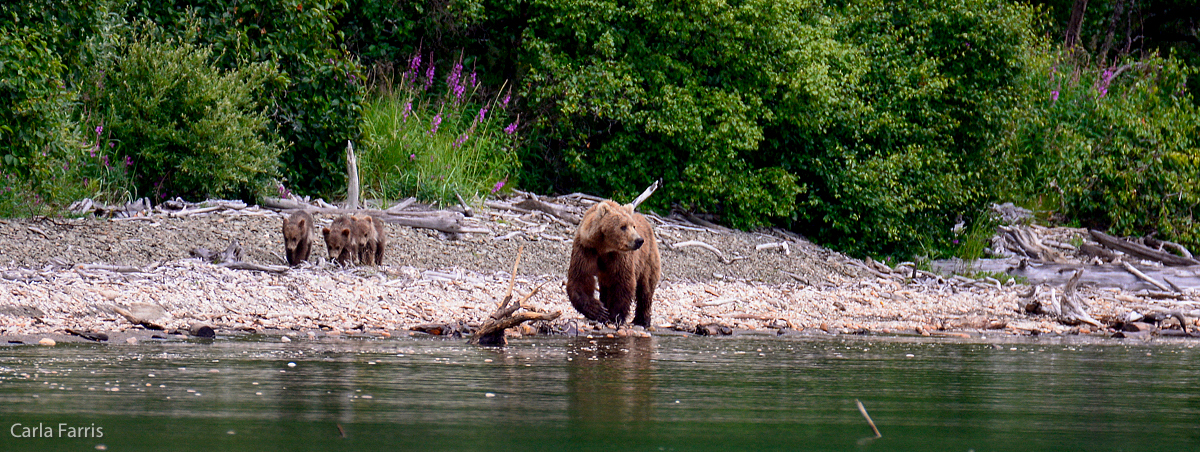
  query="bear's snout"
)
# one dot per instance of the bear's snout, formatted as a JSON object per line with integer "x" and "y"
{"x": 637, "y": 243}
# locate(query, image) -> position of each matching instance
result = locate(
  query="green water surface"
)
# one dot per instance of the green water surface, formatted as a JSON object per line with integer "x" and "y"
{"x": 580, "y": 394}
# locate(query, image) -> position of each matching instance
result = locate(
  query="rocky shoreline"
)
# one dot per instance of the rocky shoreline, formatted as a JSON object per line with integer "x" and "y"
{"x": 62, "y": 275}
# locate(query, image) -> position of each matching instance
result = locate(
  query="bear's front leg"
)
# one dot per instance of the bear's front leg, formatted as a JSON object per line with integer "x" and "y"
{"x": 616, "y": 294}
{"x": 581, "y": 289}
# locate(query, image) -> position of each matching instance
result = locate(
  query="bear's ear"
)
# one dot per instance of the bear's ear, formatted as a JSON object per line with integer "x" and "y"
{"x": 303, "y": 224}
{"x": 346, "y": 232}
{"x": 601, "y": 210}
{"x": 325, "y": 232}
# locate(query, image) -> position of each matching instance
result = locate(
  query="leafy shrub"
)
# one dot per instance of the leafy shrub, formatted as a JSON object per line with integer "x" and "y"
{"x": 35, "y": 125}
{"x": 913, "y": 150}
{"x": 1111, "y": 147}
{"x": 682, "y": 92}
{"x": 867, "y": 126}
{"x": 187, "y": 127}
{"x": 318, "y": 107}
{"x": 435, "y": 143}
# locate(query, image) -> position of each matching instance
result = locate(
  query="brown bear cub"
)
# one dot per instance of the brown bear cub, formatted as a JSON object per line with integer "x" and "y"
{"x": 615, "y": 249}
{"x": 370, "y": 238}
{"x": 339, "y": 241}
{"x": 298, "y": 237}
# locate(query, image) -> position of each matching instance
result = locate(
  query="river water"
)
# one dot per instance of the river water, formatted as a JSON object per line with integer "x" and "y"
{"x": 653, "y": 394}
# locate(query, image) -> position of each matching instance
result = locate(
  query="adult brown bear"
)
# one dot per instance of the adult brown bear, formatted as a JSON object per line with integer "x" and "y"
{"x": 615, "y": 249}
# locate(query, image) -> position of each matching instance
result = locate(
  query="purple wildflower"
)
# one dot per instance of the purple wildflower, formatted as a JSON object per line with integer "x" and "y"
{"x": 66, "y": 166}
{"x": 412, "y": 157}
{"x": 455, "y": 75}
{"x": 511, "y": 129}
{"x": 99, "y": 129}
{"x": 429, "y": 73}
{"x": 499, "y": 185}
{"x": 461, "y": 139}
{"x": 129, "y": 161}
{"x": 1104, "y": 81}
{"x": 482, "y": 113}
{"x": 407, "y": 111}
{"x": 1054, "y": 96}
{"x": 104, "y": 159}
{"x": 471, "y": 80}
{"x": 111, "y": 144}
{"x": 413, "y": 66}
{"x": 507, "y": 97}
{"x": 437, "y": 121}
{"x": 458, "y": 92}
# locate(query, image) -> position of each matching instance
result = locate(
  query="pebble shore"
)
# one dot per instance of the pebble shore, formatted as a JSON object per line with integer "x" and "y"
{"x": 798, "y": 289}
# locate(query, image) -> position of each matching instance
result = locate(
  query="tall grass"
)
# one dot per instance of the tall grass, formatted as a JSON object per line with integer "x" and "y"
{"x": 434, "y": 143}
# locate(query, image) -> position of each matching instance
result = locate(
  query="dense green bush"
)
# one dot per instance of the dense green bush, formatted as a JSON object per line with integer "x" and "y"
{"x": 1113, "y": 148}
{"x": 681, "y": 92}
{"x": 185, "y": 126}
{"x": 319, "y": 108}
{"x": 36, "y": 130}
{"x": 914, "y": 150}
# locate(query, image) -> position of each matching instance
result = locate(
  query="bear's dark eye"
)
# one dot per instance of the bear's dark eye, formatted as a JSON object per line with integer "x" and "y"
{"x": 624, "y": 228}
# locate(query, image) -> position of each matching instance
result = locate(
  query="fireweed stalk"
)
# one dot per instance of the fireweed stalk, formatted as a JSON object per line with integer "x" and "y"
{"x": 429, "y": 140}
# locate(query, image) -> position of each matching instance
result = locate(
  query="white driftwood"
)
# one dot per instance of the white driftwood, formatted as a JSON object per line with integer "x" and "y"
{"x": 398, "y": 207}
{"x": 505, "y": 206}
{"x": 352, "y": 178}
{"x": 700, "y": 244}
{"x": 532, "y": 203}
{"x": 466, "y": 208}
{"x": 1072, "y": 307}
{"x": 775, "y": 246}
{"x": 645, "y": 194}
{"x": 238, "y": 265}
{"x": 1144, "y": 277}
{"x": 717, "y": 302}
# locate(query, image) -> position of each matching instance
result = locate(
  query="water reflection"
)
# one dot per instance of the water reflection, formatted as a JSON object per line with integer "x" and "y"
{"x": 610, "y": 381}
{"x": 608, "y": 394}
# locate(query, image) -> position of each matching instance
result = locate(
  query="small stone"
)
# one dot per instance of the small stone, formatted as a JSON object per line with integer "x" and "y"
{"x": 285, "y": 339}
{"x": 291, "y": 364}
{"x": 110, "y": 295}
{"x": 489, "y": 395}
{"x": 131, "y": 340}
{"x": 47, "y": 342}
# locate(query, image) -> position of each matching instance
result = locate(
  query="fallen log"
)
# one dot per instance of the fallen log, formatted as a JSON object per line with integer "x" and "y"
{"x": 1141, "y": 251}
{"x": 534, "y": 204}
{"x": 1143, "y": 277}
{"x": 444, "y": 223}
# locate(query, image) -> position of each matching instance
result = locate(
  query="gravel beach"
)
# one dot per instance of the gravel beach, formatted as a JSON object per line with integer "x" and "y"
{"x": 61, "y": 274}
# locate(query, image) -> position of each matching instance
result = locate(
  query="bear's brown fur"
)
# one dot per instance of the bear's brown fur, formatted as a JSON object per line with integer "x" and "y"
{"x": 370, "y": 238}
{"x": 297, "y": 237}
{"x": 339, "y": 240}
{"x": 615, "y": 249}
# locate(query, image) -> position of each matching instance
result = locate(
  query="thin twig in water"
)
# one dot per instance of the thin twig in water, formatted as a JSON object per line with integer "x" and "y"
{"x": 863, "y": 410}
